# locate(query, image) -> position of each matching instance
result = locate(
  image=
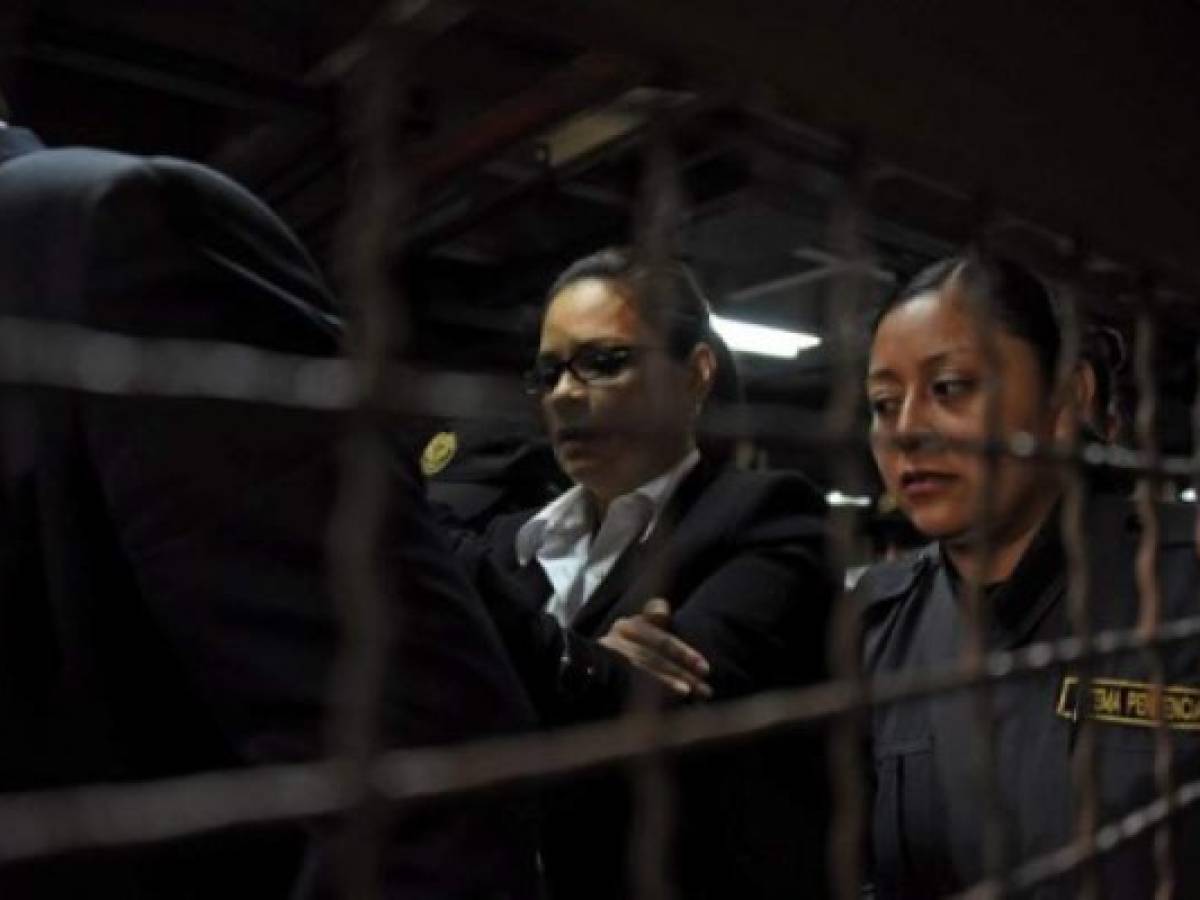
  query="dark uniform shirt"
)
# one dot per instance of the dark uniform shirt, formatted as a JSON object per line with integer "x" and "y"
{"x": 927, "y": 813}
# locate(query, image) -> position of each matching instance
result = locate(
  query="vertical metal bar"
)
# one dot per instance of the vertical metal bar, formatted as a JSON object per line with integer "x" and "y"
{"x": 367, "y": 238}
{"x": 656, "y": 237}
{"x": 1083, "y": 757}
{"x": 847, "y": 303}
{"x": 978, "y": 613}
{"x": 1146, "y": 570}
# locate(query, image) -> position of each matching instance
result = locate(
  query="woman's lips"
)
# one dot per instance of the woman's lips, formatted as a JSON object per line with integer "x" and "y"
{"x": 922, "y": 484}
{"x": 575, "y": 436}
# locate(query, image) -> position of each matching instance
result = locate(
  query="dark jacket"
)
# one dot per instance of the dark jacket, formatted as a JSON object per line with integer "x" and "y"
{"x": 927, "y": 815}
{"x": 740, "y": 558}
{"x": 164, "y": 601}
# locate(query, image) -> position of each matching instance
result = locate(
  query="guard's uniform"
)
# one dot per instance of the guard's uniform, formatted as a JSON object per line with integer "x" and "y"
{"x": 927, "y": 815}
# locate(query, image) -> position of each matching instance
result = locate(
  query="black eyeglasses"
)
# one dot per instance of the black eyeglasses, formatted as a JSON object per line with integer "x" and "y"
{"x": 590, "y": 364}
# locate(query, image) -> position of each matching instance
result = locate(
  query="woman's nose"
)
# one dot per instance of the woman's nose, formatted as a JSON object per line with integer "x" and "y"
{"x": 912, "y": 429}
{"x": 568, "y": 387}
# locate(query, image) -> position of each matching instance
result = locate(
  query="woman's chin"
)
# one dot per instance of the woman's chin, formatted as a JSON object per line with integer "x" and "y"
{"x": 938, "y": 525}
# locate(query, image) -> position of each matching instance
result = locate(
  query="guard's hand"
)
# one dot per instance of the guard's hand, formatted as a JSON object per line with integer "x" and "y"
{"x": 644, "y": 640}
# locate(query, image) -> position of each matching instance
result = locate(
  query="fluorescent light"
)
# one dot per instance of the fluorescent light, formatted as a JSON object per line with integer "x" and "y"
{"x": 763, "y": 339}
{"x": 1188, "y": 495}
{"x": 837, "y": 498}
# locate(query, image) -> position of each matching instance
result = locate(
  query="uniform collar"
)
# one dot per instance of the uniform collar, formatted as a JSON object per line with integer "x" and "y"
{"x": 568, "y": 517}
{"x": 1019, "y": 604}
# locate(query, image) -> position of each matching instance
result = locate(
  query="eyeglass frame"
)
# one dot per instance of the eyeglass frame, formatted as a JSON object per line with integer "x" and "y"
{"x": 541, "y": 380}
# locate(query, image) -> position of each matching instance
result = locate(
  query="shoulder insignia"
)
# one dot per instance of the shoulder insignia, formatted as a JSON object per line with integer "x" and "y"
{"x": 438, "y": 453}
{"x": 1135, "y": 703}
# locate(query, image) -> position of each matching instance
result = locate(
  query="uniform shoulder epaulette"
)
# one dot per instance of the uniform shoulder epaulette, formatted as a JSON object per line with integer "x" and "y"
{"x": 887, "y": 582}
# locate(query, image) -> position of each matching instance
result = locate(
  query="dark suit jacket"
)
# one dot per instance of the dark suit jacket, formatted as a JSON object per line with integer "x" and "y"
{"x": 163, "y": 596}
{"x": 740, "y": 558}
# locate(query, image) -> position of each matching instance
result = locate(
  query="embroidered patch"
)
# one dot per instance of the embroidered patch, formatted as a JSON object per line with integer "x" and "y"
{"x": 1137, "y": 703}
{"x": 438, "y": 453}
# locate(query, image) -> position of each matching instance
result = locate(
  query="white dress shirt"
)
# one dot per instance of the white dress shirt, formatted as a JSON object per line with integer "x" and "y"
{"x": 576, "y": 556}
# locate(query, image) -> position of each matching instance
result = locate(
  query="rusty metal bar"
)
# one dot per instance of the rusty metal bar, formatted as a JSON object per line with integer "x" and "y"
{"x": 368, "y": 242}
{"x": 975, "y": 602}
{"x": 39, "y": 824}
{"x": 1146, "y": 573}
{"x": 1156, "y": 814}
{"x": 1078, "y": 598}
{"x": 654, "y": 802}
{"x": 847, "y": 302}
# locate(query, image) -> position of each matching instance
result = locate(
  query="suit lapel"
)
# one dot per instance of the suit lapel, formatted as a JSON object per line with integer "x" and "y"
{"x": 532, "y": 583}
{"x": 527, "y": 583}
{"x": 610, "y": 590}
{"x": 644, "y": 568}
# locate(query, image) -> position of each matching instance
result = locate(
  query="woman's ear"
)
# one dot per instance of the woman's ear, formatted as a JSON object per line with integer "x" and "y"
{"x": 1077, "y": 407}
{"x": 702, "y": 371}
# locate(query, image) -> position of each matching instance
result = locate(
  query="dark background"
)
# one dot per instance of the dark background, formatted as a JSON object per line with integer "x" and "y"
{"x": 1070, "y": 130}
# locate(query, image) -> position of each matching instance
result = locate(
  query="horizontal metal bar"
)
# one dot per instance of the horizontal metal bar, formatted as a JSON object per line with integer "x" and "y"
{"x": 1076, "y": 854}
{"x": 34, "y": 825}
{"x": 48, "y": 354}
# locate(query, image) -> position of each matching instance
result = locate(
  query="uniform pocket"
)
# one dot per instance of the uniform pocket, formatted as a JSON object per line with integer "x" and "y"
{"x": 908, "y": 837}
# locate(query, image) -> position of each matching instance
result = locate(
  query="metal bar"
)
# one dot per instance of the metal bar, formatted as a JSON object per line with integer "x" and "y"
{"x": 589, "y": 79}
{"x": 367, "y": 619}
{"x": 1146, "y": 572}
{"x": 170, "y": 70}
{"x": 1156, "y": 814}
{"x": 654, "y": 802}
{"x": 40, "y": 353}
{"x": 975, "y": 602}
{"x": 34, "y": 825}
{"x": 1085, "y": 777}
{"x": 849, "y": 292}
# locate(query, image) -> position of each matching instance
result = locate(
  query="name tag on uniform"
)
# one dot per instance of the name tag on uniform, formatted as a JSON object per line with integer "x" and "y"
{"x": 1130, "y": 703}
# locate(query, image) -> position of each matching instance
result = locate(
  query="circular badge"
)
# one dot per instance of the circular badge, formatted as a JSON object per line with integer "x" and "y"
{"x": 438, "y": 453}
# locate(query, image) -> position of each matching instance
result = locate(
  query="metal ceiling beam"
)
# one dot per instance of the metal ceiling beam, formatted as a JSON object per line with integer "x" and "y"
{"x": 590, "y": 79}
{"x": 1082, "y": 117}
{"x": 168, "y": 70}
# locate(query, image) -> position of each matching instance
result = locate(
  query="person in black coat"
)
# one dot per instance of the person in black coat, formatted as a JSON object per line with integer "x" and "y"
{"x": 931, "y": 369}
{"x": 665, "y": 562}
{"x": 164, "y": 604}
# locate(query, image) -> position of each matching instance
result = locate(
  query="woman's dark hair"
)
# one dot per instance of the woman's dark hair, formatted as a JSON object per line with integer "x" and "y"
{"x": 669, "y": 297}
{"x": 1009, "y": 294}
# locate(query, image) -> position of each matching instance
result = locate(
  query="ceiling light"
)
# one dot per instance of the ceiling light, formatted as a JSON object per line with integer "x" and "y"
{"x": 1188, "y": 495}
{"x": 746, "y": 337}
{"x": 837, "y": 498}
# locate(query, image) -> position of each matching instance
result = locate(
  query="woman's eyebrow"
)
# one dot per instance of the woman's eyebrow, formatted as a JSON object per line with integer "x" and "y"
{"x": 933, "y": 361}
{"x": 878, "y": 375}
{"x": 936, "y": 360}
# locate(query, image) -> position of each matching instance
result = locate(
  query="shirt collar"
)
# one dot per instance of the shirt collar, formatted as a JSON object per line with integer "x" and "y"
{"x": 568, "y": 517}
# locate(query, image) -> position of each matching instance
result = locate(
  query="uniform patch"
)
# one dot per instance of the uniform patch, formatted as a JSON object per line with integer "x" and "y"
{"x": 438, "y": 453}
{"x": 1136, "y": 703}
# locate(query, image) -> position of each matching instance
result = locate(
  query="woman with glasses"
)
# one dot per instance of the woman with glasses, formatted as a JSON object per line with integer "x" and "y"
{"x": 663, "y": 565}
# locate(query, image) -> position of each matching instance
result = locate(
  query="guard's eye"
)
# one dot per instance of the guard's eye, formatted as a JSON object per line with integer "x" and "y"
{"x": 883, "y": 407}
{"x": 952, "y": 388}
